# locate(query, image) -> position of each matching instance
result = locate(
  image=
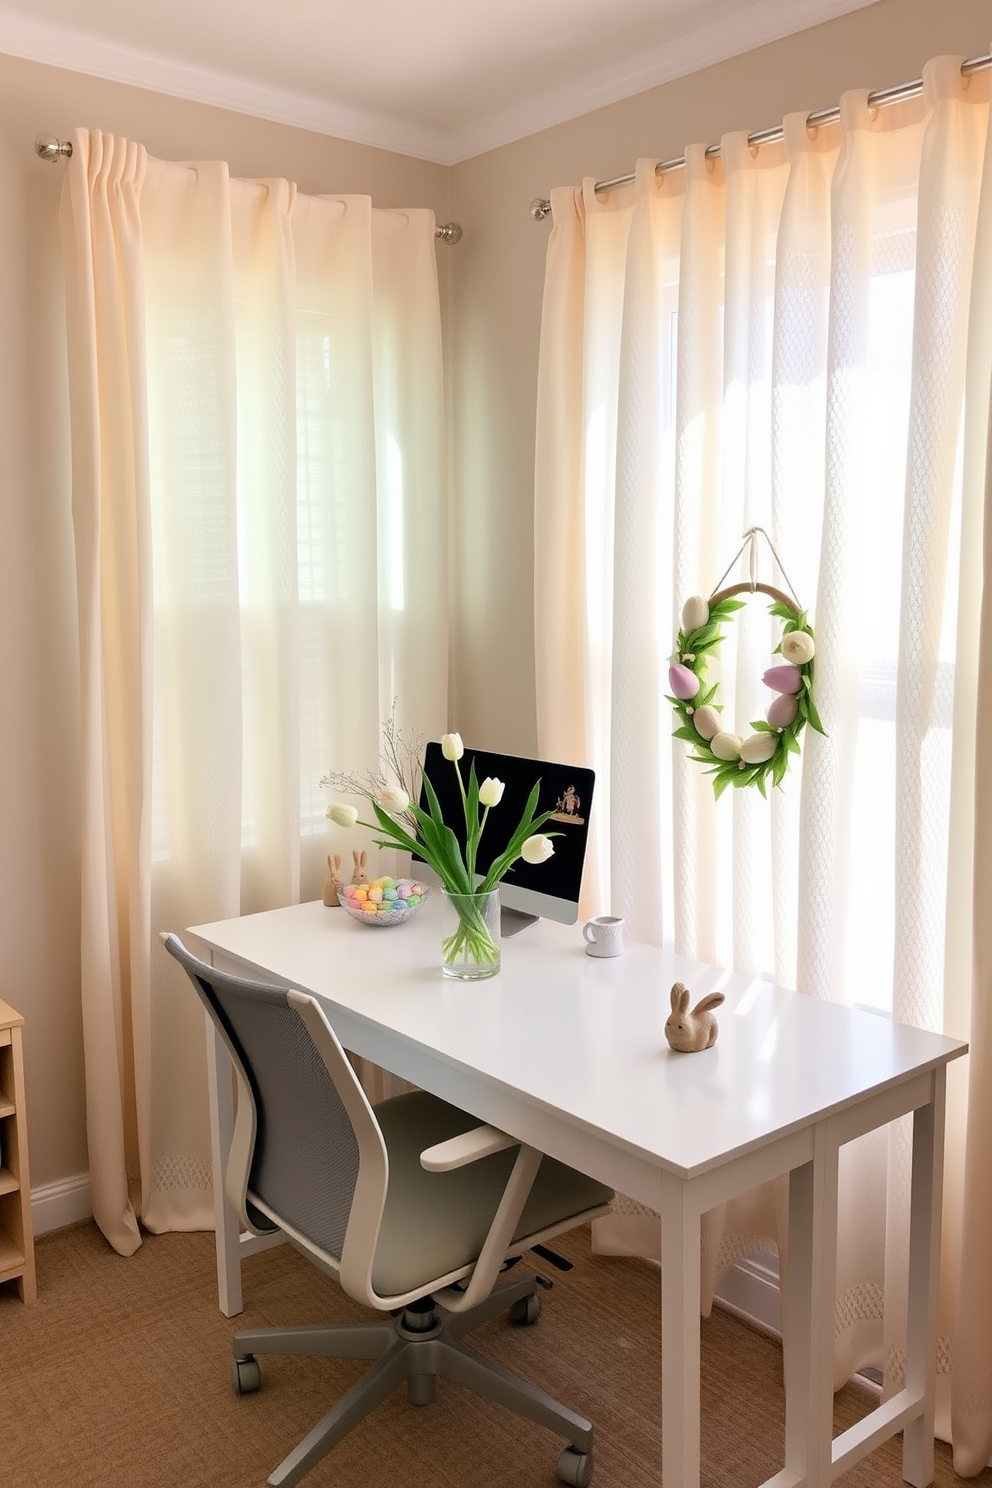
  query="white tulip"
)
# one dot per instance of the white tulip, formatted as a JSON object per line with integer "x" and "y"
{"x": 706, "y": 722}
{"x": 452, "y": 747}
{"x": 537, "y": 849}
{"x": 798, "y": 647}
{"x": 344, "y": 816}
{"x": 726, "y": 746}
{"x": 491, "y": 791}
{"x": 394, "y": 799}
{"x": 757, "y": 748}
{"x": 695, "y": 613}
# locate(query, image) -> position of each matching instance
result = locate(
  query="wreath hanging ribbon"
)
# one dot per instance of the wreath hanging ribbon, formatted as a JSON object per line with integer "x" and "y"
{"x": 764, "y": 753}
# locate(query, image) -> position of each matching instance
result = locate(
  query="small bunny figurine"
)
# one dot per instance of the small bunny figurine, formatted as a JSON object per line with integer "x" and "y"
{"x": 687, "y": 1032}
{"x": 360, "y": 875}
{"x": 334, "y": 881}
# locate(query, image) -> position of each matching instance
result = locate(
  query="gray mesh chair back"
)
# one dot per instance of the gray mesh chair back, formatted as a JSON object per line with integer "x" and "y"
{"x": 320, "y": 1162}
{"x": 305, "y": 1157}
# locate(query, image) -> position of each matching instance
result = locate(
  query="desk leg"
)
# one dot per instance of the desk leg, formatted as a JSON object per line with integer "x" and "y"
{"x": 226, "y": 1227}
{"x": 924, "y": 1273}
{"x": 680, "y": 1281}
{"x": 809, "y": 1314}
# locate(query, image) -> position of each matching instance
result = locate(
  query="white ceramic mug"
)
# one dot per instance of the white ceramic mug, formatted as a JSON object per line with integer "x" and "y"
{"x": 603, "y": 936}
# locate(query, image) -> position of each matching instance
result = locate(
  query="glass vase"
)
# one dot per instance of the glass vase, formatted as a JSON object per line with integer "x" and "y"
{"x": 470, "y": 935}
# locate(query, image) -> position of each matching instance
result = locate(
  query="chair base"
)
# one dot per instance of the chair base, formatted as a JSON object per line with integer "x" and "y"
{"x": 414, "y": 1348}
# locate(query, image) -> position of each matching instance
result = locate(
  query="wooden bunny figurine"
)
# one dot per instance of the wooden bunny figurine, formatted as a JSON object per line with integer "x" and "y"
{"x": 687, "y": 1032}
{"x": 359, "y": 876}
{"x": 333, "y": 881}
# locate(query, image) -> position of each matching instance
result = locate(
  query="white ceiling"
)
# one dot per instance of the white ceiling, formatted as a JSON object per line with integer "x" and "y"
{"x": 438, "y": 79}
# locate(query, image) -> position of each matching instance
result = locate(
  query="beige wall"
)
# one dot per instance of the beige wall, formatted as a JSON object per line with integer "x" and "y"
{"x": 492, "y": 285}
{"x": 496, "y": 305}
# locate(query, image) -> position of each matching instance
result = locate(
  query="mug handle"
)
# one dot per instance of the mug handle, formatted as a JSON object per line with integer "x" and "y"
{"x": 588, "y": 934}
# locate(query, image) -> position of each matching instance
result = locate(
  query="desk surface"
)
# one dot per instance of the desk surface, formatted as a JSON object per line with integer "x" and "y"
{"x": 568, "y": 1052}
{"x": 581, "y": 1039}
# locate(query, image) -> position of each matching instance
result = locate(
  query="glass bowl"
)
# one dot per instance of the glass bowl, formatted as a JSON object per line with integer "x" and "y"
{"x": 384, "y": 901}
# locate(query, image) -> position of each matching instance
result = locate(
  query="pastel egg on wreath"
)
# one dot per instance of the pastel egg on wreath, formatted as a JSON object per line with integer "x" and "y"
{"x": 782, "y": 710}
{"x": 758, "y": 748}
{"x": 683, "y": 682}
{"x": 726, "y": 746}
{"x": 695, "y": 613}
{"x": 706, "y": 721}
{"x": 783, "y": 678}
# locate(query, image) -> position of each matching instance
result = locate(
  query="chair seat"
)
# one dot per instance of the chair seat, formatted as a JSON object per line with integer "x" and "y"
{"x": 435, "y": 1223}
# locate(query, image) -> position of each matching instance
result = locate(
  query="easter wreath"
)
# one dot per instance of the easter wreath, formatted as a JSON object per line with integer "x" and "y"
{"x": 763, "y": 754}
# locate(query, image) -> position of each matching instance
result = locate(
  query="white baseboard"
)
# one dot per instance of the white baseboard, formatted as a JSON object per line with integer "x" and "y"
{"x": 750, "y": 1288}
{"x": 59, "y": 1204}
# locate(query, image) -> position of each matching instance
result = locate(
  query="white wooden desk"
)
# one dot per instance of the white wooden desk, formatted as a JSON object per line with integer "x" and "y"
{"x": 567, "y": 1052}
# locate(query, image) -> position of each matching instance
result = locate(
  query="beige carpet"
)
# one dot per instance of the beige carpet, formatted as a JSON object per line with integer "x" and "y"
{"x": 118, "y": 1378}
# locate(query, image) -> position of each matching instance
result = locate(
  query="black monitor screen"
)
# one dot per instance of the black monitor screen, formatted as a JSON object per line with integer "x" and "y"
{"x": 550, "y": 888}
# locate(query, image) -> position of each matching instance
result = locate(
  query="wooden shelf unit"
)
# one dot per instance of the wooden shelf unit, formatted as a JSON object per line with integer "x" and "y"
{"x": 16, "y": 1234}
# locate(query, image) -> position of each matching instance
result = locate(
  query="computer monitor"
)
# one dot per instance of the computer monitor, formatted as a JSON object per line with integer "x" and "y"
{"x": 528, "y": 891}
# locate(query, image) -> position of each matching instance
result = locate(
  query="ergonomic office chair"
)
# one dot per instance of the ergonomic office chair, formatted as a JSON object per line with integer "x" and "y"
{"x": 411, "y": 1205}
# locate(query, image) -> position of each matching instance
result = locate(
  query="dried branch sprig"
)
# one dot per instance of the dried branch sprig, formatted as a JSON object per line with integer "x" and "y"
{"x": 400, "y": 763}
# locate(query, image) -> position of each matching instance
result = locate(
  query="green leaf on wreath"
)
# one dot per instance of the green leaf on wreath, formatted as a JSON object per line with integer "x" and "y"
{"x": 813, "y": 715}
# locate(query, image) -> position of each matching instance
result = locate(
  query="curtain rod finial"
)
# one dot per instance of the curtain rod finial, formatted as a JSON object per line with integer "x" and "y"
{"x": 448, "y": 232}
{"x": 540, "y": 208}
{"x": 51, "y": 148}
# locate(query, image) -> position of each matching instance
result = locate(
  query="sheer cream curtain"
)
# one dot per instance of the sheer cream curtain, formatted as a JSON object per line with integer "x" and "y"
{"x": 259, "y": 511}
{"x": 796, "y": 337}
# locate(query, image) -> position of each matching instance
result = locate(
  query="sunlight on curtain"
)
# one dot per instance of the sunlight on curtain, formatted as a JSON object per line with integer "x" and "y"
{"x": 255, "y": 382}
{"x": 794, "y": 337}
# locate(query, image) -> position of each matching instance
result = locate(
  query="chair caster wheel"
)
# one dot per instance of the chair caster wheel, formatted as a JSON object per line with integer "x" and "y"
{"x": 525, "y": 1311}
{"x": 246, "y": 1377}
{"x": 575, "y": 1468}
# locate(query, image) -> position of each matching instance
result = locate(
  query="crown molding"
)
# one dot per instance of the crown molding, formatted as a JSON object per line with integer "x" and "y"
{"x": 725, "y": 29}
{"x": 80, "y": 51}
{"x": 739, "y": 28}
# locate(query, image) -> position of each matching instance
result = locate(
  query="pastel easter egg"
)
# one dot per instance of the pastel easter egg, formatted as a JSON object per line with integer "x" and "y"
{"x": 375, "y": 895}
{"x": 683, "y": 682}
{"x": 706, "y": 721}
{"x": 695, "y": 613}
{"x": 783, "y": 678}
{"x": 403, "y": 891}
{"x": 757, "y": 748}
{"x": 782, "y": 710}
{"x": 726, "y": 746}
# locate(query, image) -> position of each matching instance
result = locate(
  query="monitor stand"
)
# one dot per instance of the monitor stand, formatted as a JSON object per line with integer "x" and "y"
{"x": 512, "y": 921}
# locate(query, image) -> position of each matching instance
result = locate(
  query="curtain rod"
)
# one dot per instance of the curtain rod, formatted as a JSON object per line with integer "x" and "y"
{"x": 540, "y": 207}
{"x": 50, "y": 147}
